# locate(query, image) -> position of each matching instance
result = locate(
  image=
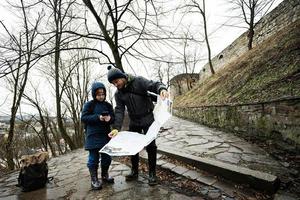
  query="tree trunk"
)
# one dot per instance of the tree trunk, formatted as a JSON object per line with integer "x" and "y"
{"x": 113, "y": 46}
{"x": 206, "y": 40}
{"x": 250, "y": 37}
{"x": 8, "y": 145}
{"x": 45, "y": 133}
{"x": 251, "y": 26}
{"x": 60, "y": 123}
{"x": 56, "y": 139}
{"x": 57, "y": 87}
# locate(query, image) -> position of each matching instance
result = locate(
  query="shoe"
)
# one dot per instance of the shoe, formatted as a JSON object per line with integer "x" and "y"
{"x": 133, "y": 176}
{"x": 152, "y": 179}
{"x": 95, "y": 183}
{"x": 104, "y": 175}
{"x": 107, "y": 179}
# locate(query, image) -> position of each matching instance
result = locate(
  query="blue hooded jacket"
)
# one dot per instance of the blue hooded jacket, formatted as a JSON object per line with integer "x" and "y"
{"x": 96, "y": 133}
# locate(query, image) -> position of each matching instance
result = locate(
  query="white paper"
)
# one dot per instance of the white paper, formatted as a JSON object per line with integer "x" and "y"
{"x": 161, "y": 111}
{"x": 125, "y": 143}
{"x": 130, "y": 143}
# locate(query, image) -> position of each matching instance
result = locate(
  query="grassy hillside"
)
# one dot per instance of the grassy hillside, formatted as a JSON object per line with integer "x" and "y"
{"x": 271, "y": 70}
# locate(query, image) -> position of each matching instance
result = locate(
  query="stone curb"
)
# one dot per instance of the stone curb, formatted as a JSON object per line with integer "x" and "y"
{"x": 256, "y": 179}
{"x": 187, "y": 173}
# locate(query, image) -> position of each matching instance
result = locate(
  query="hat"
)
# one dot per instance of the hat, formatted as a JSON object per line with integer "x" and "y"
{"x": 114, "y": 73}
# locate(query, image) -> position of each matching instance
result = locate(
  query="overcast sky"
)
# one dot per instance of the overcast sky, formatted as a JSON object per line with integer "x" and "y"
{"x": 217, "y": 14}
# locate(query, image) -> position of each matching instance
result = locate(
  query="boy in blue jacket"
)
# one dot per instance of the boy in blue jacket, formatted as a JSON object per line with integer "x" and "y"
{"x": 97, "y": 115}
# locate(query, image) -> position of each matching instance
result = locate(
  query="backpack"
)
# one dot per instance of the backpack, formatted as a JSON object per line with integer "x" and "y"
{"x": 90, "y": 110}
{"x": 33, "y": 177}
{"x": 34, "y": 172}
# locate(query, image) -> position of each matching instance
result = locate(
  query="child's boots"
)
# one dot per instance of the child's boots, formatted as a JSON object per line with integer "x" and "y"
{"x": 95, "y": 183}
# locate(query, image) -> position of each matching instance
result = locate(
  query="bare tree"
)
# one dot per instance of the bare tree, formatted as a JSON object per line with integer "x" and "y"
{"x": 199, "y": 7}
{"x": 35, "y": 101}
{"x": 158, "y": 71}
{"x": 22, "y": 46}
{"x": 250, "y": 12}
{"x": 61, "y": 16}
{"x": 189, "y": 57}
{"x": 189, "y": 62}
{"x": 31, "y": 125}
{"x": 165, "y": 71}
{"x": 113, "y": 13}
{"x": 55, "y": 132}
{"x": 76, "y": 92}
{"x": 20, "y": 144}
{"x": 125, "y": 24}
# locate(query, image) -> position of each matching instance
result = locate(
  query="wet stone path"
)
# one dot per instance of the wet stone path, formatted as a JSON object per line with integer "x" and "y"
{"x": 201, "y": 141}
{"x": 71, "y": 177}
{"x": 71, "y": 181}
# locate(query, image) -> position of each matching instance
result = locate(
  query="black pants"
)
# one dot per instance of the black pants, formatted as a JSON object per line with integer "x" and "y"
{"x": 150, "y": 148}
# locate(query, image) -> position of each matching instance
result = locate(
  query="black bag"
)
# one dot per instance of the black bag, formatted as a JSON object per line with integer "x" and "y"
{"x": 90, "y": 111}
{"x": 33, "y": 177}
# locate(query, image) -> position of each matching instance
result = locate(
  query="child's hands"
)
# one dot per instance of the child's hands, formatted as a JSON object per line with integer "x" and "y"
{"x": 113, "y": 133}
{"x": 105, "y": 118}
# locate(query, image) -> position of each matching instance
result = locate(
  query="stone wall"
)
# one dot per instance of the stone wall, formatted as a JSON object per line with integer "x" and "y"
{"x": 284, "y": 14}
{"x": 277, "y": 119}
{"x": 182, "y": 83}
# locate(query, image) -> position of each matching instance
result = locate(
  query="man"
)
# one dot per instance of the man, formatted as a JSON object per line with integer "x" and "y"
{"x": 132, "y": 94}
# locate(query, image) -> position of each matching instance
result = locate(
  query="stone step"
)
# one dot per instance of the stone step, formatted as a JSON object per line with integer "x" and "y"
{"x": 256, "y": 179}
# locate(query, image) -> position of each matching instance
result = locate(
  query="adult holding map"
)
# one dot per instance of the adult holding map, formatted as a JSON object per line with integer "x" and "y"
{"x": 132, "y": 93}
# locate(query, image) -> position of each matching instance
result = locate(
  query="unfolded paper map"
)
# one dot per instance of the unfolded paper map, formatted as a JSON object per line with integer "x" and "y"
{"x": 130, "y": 143}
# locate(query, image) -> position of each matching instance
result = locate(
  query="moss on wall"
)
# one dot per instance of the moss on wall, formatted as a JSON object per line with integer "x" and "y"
{"x": 251, "y": 120}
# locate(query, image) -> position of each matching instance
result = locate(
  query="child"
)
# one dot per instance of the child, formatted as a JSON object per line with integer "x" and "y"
{"x": 97, "y": 115}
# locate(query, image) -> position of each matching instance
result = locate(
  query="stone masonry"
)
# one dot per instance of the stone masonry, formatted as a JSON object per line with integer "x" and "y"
{"x": 284, "y": 14}
{"x": 278, "y": 119}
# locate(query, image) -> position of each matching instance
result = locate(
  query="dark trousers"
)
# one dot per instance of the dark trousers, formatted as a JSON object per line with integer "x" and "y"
{"x": 151, "y": 151}
{"x": 94, "y": 156}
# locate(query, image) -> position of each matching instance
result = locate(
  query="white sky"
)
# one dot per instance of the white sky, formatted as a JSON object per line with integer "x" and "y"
{"x": 216, "y": 11}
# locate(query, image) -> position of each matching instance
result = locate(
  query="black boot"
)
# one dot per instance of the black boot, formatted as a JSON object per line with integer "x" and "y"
{"x": 134, "y": 175}
{"x": 152, "y": 178}
{"x": 152, "y": 157}
{"x": 134, "y": 168}
{"x": 95, "y": 183}
{"x": 105, "y": 176}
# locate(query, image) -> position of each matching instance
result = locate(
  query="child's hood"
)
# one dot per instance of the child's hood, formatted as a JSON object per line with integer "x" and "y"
{"x": 95, "y": 87}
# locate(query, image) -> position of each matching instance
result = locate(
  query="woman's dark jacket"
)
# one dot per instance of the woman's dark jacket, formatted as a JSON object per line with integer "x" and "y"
{"x": 138, "y": 103}
{"x": 96, "y": 133}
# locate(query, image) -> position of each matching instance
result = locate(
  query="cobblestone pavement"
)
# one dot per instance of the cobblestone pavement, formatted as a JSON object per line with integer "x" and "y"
{"x": 201, "y": 141}
{"x": 71, "y": 181}
{"x": 71, "y": 177}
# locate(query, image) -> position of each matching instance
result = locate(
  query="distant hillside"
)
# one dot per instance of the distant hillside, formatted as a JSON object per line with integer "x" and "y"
{"x": 269, "y": 71}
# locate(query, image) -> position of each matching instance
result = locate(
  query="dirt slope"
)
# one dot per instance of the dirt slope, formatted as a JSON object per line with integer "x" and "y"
{"x": 269, "y": 71}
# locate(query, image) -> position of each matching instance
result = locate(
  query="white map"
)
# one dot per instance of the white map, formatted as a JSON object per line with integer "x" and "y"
{"x": 130, "y": 143}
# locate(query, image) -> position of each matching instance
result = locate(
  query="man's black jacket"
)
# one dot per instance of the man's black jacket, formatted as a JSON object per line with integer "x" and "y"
{"x": 138, "y": 103}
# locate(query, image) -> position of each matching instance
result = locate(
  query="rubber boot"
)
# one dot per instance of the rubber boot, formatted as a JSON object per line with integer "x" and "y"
{"x": 152, "y": 157}
{"x": 134, "y": 169}
{"x": 95, "y": 183}
{"x": 152, "y": 178}
{"x": 105, "y": 176}
{"x": 134, "y": 175}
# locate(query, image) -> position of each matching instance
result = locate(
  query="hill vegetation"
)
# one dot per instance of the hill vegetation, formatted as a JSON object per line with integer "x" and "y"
{"x": 271, "y": 70}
